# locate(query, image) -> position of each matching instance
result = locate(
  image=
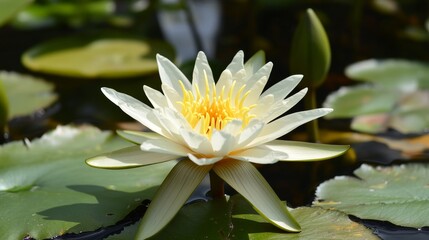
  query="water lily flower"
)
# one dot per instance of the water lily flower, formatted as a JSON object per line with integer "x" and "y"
{"x": 220, "y": 128}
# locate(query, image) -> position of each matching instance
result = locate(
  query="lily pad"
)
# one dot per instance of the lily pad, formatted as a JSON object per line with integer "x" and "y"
{"x": 236, "y": 219}
{"x": 26, "y": 94}
{"x": 96, "y": 57}
{"x": 46, "y": 189}
{"x": 390, "y": 73}
{"x": 398, "y": 194}
{"x": 10, "y": 7}
{"x": 360, "y": 100}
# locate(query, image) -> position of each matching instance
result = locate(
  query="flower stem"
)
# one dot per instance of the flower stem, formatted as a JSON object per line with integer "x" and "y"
{"x": 216, "y": 186}
{"x": 313, "y": 126}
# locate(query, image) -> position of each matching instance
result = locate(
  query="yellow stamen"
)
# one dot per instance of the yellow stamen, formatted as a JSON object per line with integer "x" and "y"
{"x": 212, "y": 110}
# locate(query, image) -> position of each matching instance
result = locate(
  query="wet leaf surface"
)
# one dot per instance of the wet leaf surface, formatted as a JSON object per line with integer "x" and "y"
{"x": 398, "y": 194}
{"x": 46, "y": 189}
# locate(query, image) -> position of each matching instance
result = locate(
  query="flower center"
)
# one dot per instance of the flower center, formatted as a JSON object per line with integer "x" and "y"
{"x": 212, "y": 111}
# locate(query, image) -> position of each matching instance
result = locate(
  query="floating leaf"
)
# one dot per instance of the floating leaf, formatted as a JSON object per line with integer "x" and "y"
{"x": 391, "y": 73}
{"x": 236, "y": 219}
{"x": 360, "y": 100}
{"x": 96, "y": 57}
{"x": 398, "y": 194}
{"x": 46, "y": 189}
{"x": 310, "y": 50}
{"x": 26, "y": 94}
{"x": 10, "y": 7}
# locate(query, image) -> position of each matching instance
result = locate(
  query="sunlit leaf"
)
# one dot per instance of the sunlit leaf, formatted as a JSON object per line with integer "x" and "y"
{"x": 10, "y": 7}
{"x": 391, "y": 73}
{"x": 398, "y": 194}
{"x": 96, "y": 57}
{"x": 310, "y": 50}
{"x": 26, "y": 94}
{"x": 46, "y": 189}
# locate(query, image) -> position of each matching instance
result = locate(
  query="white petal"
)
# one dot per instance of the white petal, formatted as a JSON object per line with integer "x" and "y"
{"x": 171, "y": 75}
{"x": 286, "y": 124}
{"x": 260, "y": 154}
{"x": 202, "y": 72}
{"x": 233, "y": 127}
{"x": 236, "y": 63}
{"x": 281, "y": 107}
{"x": 155, "y": 97}
{"x": 170, "y": 197}
{"x": 222, "y": 143}
{"x": 201, "y": 161}
{"x": 254, "y": 63}
{"x": 197, "y": 142}
{"x": 128, "y": 157}
{"x": 255, "y": 91}
{"x": 304, "y": 151}
{"x": 135, "y": 109}
{"x": 172, "y": 97}
{"x": 262, "y": 72}
{"x": 164, "y": 146}
{"x": 250, "y": 132}
{"x": 246, "y": 180}
{"x": 281, "y": 89}
{"x": 224, "y": 82}
{"x": 263, "y": 105}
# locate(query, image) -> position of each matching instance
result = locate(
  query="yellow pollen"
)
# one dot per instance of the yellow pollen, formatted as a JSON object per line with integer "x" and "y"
{"x": 210, "y": 111}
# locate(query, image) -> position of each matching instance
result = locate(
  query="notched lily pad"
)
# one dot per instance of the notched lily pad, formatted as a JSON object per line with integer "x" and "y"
{"x": 398, "y": 194}
{"x": 236, "y": 219}
{"x": 96, "y": 56}
{"x": 26, "y": 94}
{"x": 46, "y": 189}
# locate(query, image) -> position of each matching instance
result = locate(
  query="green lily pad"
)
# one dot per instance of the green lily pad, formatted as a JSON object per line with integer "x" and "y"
{"x": 26, "y": 94}
{"x": 46, "y": 189}
{"x": 360, "y": 100}
{"x": 391, "y": 73}
{"x": 398, "y": 194}
{"x": 96, "y": 56}
{"x": 236, "y": 219}
{"x": 10, "y": 7}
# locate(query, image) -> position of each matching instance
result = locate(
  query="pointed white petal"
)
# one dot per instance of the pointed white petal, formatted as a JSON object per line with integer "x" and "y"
{"x": 201, "y": 161}
{"x": 171, "y": 75}
{"x": 246, "y": 180}
{"x": 254, "y": 63}
{"x": 170, "y": 197}
{"x": 286, "y": 124}
{"x": 224, "y": 82}
{"x": 197, "y": 142}
{"x": 250, "y": 132}
{"x": 233, "y": 127}
{"x": 172, "y": 97}
{"x": 136, "y": 136}
{"x": 135, "y": 109}
{"x": 263, "y": 104}
{"x": 222, "y": 143}
{"x": 202, "y": 72}
{"x": 281, "y": 107}
{"x": 255, "y": 91}
{"x": 264, "y": 71}
{"x": 236, "y": 63}
{"x": 155, "y": 97}
{"x": 303, "y": 151}
{"x": 128, "y": 158}
{"x": 260, "y": 154}
{"x": 281, "y": 89}
{"x": 164, "y": 146}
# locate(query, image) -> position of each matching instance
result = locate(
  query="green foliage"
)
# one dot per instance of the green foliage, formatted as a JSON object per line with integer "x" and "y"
{"x": 10, "y": 7}
{"x": 4, "y": 107}
{"x": 310, "y": 50}
{"x": 236, "y": 219}
{"x": 398, "y": 194}
{"x": 24, "y": 94}
{"x": 96, "y": 56}
{"x": 46, "y": 189}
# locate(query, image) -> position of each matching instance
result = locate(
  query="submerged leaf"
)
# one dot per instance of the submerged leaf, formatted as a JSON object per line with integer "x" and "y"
{"x": 397, "y": 194}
